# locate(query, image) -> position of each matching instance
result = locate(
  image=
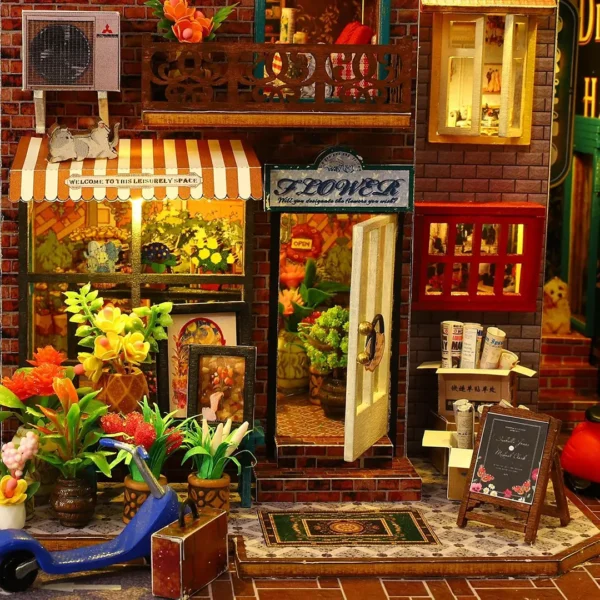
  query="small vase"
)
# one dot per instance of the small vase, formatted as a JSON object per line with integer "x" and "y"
{"x": 122, "y": 393}
{"x": 333, "y": 397}
{"x": 316, "y": 381}
{"x": 136, "y": 493}
{"x": 74, "y": 501}
{"x": 209, "y": 492}
{"x": 12, "y": 516}
{"x": 292, "y": 364}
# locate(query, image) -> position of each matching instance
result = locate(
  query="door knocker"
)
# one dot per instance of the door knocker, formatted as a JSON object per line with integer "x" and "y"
{"x": 371, "y": 356}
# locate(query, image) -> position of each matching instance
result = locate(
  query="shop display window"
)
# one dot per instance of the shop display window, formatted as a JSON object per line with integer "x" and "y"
{"x": 478, "y": 257}
{"x": 484, "y": 90}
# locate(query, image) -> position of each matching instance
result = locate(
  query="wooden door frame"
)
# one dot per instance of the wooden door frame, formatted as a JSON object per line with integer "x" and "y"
{"x": 271, "y": 424}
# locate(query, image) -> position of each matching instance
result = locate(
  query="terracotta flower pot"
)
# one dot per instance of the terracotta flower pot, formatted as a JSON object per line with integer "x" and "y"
{"x": 333, "y": 397}
{"x": 136, "y": 493}
{"x": 292, "y": 364}
{"x": 122, "y": 393}
{"x": 74, "y": 501}
{"x": 314, "y": 385}
{"x": 209, "y": 492}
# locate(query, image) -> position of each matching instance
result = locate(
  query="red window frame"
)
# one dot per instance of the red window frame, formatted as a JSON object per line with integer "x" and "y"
{"x": 531, "y": 215}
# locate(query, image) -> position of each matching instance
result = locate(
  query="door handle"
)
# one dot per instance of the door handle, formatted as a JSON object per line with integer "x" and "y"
{"x": 371, "y": 356}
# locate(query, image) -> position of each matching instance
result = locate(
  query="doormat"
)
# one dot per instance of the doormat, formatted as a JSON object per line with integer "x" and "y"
{"x": 398, "y": 527}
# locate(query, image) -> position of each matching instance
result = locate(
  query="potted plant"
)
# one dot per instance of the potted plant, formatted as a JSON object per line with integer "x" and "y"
{"x": 327, "y": 349}
{"x": 296, "y": 304}
{"x": 211, "y": 449}
{"x": 158, "y": 434}
{"x": 74, "y": 428}
{"x": 15, "y": 491}
{"x": 119, "y": 342}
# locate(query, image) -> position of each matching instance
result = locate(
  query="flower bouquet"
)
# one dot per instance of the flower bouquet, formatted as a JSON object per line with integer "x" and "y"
{"x": 211, "y": 449}
{"x": 179, "y": 21}
{"x": 119, "y": 342}
{"x": 158, "y": 434}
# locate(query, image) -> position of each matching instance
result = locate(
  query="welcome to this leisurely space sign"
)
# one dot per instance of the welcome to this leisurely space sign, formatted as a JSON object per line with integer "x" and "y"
{"x": 338, "y": 181}
{"x": 137, "y": 181}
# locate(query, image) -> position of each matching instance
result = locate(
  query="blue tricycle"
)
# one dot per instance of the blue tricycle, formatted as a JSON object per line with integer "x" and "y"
{"x": 22, "y": 556}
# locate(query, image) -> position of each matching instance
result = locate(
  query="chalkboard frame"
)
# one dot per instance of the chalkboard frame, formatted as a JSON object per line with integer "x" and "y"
{"x": 549, "y": 469}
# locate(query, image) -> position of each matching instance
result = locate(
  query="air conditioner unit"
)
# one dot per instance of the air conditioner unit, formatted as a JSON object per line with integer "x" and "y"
{"x": 71, "y": 50}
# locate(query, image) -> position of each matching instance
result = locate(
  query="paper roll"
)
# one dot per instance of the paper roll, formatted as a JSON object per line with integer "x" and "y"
{"x": 469, "y": 357}
{"x": 452, "y": 339}
{"x": 492, "y": 348}
{"x": 508, "y": 360}
{"x": 464, "y": 418}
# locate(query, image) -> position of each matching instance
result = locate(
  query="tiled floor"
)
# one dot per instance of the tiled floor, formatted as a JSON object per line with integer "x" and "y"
{"x": 296, "y": 417}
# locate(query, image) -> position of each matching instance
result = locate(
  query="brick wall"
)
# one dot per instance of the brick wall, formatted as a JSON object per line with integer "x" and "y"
{"x": 78, "y": 111}
{"x": 470, "y": 173}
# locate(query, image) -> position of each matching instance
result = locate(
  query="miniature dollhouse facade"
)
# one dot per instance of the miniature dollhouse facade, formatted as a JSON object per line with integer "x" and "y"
{"x": 283, "y": 118}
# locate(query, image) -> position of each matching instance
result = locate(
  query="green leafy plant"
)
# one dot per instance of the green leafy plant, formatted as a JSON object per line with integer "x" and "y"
{"x": 53, "y": 255}
{"x": 211, "y": 448}
{"x": 326, "y": 342}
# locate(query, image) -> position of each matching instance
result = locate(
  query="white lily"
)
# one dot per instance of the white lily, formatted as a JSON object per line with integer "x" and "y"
{"x": 205, "y": 431}
{"x": 227, "y": 428}
{"x": 217, "y": 439}
{"x": 237, "y": 437}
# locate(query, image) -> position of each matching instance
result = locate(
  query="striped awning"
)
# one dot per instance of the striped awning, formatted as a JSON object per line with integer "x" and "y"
{"x": 144, "y": 169}
{"x": 491, "y": 6}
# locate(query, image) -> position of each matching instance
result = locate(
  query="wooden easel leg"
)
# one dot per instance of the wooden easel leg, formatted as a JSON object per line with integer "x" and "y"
{"x": 103, "y": 106}
{"x": 39, "y": 101}
{"x": 556, "y": 475}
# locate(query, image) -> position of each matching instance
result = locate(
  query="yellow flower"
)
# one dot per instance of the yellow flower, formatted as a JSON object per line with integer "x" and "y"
{"x": 230, "y": 259}
{"x": 135, "y": 348}
{"x": 108, "y": 347}
{"x": 132, "y": 321}
{"x": 213, "y": 244}
{"x": 216, "y": 258}
{"x": 19, "y": 492}
{"x": 204, "y": 254}
{"x": 110, "y": 319}
{"x": 91, "y": 365}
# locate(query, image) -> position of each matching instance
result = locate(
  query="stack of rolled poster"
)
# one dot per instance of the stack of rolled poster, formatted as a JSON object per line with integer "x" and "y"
{"x": 464, "y": 415}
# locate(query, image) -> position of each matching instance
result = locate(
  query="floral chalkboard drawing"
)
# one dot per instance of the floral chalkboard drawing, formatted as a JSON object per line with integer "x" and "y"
{"x": 481, "y": 478}
{"x": 525, "y": 492}
{"x": 481, "y": 484}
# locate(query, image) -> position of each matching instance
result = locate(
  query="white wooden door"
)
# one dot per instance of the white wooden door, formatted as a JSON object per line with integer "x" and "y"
{"x": 371, "y": 294}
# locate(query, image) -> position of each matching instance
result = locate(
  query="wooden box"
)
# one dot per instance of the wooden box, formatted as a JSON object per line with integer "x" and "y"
{"x": 186, "y": 559}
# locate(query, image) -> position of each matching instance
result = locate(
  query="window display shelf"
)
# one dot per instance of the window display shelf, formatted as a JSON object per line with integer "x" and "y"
{"x": 477, "y": 256}
{"x": 249, "y": 84}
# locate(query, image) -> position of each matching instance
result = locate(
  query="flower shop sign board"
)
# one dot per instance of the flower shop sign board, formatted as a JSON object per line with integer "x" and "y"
{"x": 338, "y": 181}
{"x": 515, "y": 456}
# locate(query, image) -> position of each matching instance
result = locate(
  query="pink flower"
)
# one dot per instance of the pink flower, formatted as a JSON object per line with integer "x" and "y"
{"x": 507, "y": 493}
{"x": 476, "y": 487}
{"x": 534, "y": 474}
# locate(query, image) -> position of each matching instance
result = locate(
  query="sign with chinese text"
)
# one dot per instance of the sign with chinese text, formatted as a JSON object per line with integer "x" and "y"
{"x": 338, "y": 181}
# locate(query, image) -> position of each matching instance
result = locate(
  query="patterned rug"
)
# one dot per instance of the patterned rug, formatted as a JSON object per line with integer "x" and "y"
{"x": 399, "y": 527}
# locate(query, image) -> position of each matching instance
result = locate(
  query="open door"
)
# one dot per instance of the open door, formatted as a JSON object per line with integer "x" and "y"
{"x": 369, "y": 351}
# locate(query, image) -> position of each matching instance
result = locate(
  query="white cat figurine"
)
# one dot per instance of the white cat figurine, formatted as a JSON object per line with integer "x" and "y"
{"x": 63, "y": 145}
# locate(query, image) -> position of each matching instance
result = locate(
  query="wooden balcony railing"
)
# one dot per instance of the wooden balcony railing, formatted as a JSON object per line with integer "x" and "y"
{"x": 273, "y": 85}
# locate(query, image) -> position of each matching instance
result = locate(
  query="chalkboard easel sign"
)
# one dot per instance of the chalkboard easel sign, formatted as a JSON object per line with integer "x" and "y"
{"x": 514, "y": 458}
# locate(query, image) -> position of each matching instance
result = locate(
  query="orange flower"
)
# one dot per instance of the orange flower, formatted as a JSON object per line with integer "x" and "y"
{"x": 178, "y": 9}
{"x": 286, "y": 297}
{"x": 292, "y": 276}
{"x": 66, "y": 392}
{"x": 189, "y": 31}
{"x": 20, "y": 384}
{"x": 47, "y": 355}
{"x": 207, "y": 23}
{"x": 43, "y": 376}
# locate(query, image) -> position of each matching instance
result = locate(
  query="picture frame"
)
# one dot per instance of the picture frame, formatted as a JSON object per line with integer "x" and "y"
{"x": 201, "y": 387}
{"x": 491, "y": 82}
{"x": 228, "y": 322}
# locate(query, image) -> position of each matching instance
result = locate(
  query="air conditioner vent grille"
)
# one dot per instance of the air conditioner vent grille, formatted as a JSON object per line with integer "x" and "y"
{"x": 60, "y": 53}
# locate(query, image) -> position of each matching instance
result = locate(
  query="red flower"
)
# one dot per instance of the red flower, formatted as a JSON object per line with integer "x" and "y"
{"x": 507, "y": 493}
{"x": 145, "y": 435}
{"x": 20, "y": 384}
{"x": 132, "y": 421}
{"x": 48, "y": 354}
{"x": 43, "y": 378}
{"x": 534, "y": 474}
{"x": 174, "y": 440}
{"x": 112, "y": 423}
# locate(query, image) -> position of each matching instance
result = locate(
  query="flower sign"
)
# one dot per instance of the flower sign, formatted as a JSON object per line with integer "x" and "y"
{"x": 182, "y": 22}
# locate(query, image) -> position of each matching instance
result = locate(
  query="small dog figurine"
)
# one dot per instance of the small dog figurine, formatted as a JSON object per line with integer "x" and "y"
{"x": 63, "y": 145}
{"x": 556, "y": 316}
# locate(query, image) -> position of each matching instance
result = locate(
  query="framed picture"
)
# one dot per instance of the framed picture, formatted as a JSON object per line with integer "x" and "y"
{"x": 492, "y": 78}
{"x": 221, "y": 383}
{"x": 203, "y": 323}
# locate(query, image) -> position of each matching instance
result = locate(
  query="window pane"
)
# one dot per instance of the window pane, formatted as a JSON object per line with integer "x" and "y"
{"x": 462, "y": 34}
{"x": 512, "y": 279}
{"x": 514, "y": 243}
{"x": 491, "y": 82}
{"x": 463, "y": 242}
{"x": 460, "y": 278}
{"x": 438, "y": 238}
{"x": 435, "y": 278}
{"x": 490, "y": 234}
{"x": 487, "y": 273}
{"x": 81, "y": 237}
{"x": 460, "y": 92}
{"x": 49, "y": 316}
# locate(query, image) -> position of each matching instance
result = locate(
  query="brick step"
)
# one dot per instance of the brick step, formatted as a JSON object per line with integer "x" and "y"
{"x": 570, "y": 409}
{"x": 399, "y": 483}
{"x": 328, "y": 453}
{"x": 574, "y": 378}
{"x": 570, "y": 340}
{"x": 553, "y": 359}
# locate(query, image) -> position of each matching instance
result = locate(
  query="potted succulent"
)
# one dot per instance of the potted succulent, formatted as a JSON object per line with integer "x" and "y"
{"x": 210, "y": 449}
{"x": 296, "y": 304}
{"x": 74, "y": 428}
{"x": 119, "y": 342}
{"x": 327, "y": 350}
{"x": 15, "y": 491}
{"x": 158, "y": 434}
